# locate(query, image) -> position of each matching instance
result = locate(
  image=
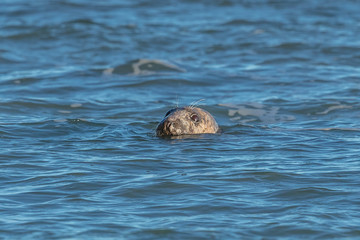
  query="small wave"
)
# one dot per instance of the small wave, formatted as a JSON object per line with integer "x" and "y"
{"x": 144, "y": 67}
{"x": 38, "y": 73}
{"x": 333, "y": 108}
{"x": 245, "y": 113}
{"x": 305, "y": 193}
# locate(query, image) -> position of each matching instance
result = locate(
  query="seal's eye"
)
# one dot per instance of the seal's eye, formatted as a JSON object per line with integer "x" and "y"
{"x": 195, "y": 118}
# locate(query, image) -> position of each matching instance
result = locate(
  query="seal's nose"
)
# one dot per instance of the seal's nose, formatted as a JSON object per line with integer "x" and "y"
{"x": 172, "y": 126}
{"x": 165, "y": 128}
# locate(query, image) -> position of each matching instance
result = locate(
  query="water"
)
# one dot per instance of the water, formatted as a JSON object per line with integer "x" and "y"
{"x": 83, "y": 86}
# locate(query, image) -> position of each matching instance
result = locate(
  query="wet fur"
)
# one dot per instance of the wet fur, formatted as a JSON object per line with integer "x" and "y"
{"x": 178, "y": 121}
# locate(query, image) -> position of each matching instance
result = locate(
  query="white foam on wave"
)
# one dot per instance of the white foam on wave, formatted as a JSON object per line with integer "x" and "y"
{"x": 249, "y": 112}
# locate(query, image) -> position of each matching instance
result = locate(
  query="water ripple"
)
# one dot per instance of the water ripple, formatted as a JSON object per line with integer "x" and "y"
{"x": 83, "y": 86}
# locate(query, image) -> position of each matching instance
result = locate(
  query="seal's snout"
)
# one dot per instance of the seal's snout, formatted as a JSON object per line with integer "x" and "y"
{"x": 175, "y": 127}
{"x": 169, "y": 127}
{"x": 186, "y": 121}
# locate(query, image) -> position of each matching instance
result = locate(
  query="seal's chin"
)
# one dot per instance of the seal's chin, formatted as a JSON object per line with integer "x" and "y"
{"x": 162, "y": 130}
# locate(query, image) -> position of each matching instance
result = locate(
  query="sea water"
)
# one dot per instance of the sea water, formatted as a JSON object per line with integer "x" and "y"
{"x": 83, "y": 85}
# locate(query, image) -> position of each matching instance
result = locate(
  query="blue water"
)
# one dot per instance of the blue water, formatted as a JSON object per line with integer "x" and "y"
{"x": 83, "y": 85}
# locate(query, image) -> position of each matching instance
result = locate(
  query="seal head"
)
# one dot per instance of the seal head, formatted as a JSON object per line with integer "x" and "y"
{"x": 186, "y": 121}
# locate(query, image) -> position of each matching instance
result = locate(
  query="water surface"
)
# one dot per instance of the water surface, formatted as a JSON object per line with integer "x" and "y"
{"x": 83, "y": 86}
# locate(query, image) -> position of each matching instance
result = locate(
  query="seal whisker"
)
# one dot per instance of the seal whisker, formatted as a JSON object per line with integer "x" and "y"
{"x": 195, "y": 103}
{"x": 177, "y": 101}
{"x": 153, "y": 129}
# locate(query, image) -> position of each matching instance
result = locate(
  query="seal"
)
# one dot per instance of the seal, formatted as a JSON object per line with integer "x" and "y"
{"x": 186, "y": 121}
